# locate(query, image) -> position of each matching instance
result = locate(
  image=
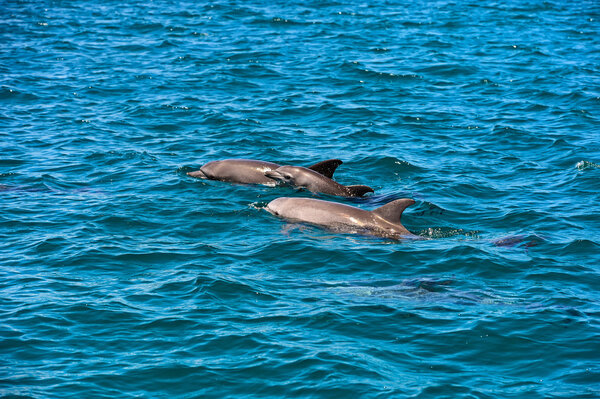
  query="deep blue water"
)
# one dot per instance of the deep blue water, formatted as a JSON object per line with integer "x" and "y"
{"x": 121, "y": 276}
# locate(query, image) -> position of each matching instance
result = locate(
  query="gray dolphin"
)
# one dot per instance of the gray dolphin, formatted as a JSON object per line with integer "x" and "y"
{"x": 250, "y": 171}
{"x": 297, "y": 176}
{"x": 381, "y": 222}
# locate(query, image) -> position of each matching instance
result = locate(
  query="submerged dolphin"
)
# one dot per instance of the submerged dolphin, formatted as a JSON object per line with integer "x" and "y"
{"x": 297, "y": 176}
{"x": 381, "y": 222}
{"x": 250, "y": 171}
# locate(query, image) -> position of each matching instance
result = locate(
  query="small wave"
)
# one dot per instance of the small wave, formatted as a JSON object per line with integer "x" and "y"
{"x": 437, "y": 44}
{"x": 284, "y": 21}
{"x": 183, "y": 13}
{"x": 485, "y": 82}
{"x": 150, "y": 258}
{"x": 254, "y": 55}
{"x": 52, "y": 245}
{"x": 367, "y": 134}
{"x": 50, "y": 186}
{"x": 64, "y": 45}
{"x": 225, "y": 289}
{"x": 8, "y": 93}
{"x": 369, "y": 72}
{"x": 585, "y": 165}
{"x": 115, "y": 156}
{"x": 391, "y": 75}
{"x": 131, "y": 47}
{"x": 400, "y": 76}
{"x": 413, "y": 24}
{"x": 446, "y": 232}
{"x": 146, "y": 27}
{"x": 166, "y": 44}
{"x": 165, "y": 127}
{"x": 376, "y": 200}
{"x": 581, "y": 246}
{"x": 11, "y": 162}
{"x": 258, "y": 205}
{"x": 449, "y": 70}
{"x": 389, "y": 164}
{"x": 429, "y": 209}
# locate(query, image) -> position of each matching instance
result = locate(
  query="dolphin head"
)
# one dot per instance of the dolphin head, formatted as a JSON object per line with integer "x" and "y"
{"x": 288, "y": 175}
{"x": 198, "y": 173}
{"x": 207, "y": 171}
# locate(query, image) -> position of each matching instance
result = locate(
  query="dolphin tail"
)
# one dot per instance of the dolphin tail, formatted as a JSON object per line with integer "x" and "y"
{"x": 392, "y": 211}
{"x": 199, "y": 174}
{"x": 326, "y": 168}
{"x": 359, "y": 190}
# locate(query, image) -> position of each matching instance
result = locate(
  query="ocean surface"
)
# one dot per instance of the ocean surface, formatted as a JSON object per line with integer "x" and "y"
{"x": 123, "y": 277}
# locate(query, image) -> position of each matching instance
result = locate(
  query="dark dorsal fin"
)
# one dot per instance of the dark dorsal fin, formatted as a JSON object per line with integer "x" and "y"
{"x": 326, "y": 168}
{"x": 359, "y": 190}
{"x": 392, "y": 211}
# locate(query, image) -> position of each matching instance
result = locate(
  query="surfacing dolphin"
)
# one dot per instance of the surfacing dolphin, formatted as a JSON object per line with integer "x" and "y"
{"x": 250, "y": 171}
{"x": 381, "y": 222}
{"x": 297, "y": 176}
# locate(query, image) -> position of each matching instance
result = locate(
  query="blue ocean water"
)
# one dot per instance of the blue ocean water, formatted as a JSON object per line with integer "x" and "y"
{"x": 121, "y": 276}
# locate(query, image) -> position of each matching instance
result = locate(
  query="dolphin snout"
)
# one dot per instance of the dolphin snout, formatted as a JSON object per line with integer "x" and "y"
{"x": 198, "y": 173}
{"x": 273, "y": 174}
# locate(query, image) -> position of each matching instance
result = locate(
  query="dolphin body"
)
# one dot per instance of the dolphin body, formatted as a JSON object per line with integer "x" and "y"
{"x": 381, "y": 222}
{"x": 297, "y": 176}
{"x": 250, "y": 171}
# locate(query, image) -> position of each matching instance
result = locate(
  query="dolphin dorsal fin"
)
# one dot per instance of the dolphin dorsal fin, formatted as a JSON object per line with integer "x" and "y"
{"x": 326, "y": 168}
{"x": 392, "y": 211}
{"x": 359, "y": 190}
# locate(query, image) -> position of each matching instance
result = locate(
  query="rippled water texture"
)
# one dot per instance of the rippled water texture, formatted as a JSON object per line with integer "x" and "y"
{"x": 121, "y": 276}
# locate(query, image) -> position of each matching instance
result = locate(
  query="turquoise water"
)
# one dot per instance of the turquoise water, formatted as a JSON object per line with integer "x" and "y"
{"x": 121, "y": 276}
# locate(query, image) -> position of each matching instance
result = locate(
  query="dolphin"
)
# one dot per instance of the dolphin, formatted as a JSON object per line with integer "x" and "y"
{"x": 297, "y": 176}
{"x": 381, "y": 222}
{"x": 250, "y": 171}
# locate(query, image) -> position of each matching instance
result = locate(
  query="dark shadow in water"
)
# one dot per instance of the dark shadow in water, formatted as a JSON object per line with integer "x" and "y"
{"x": 518, "y": 240}
{"x": 423, "y": 289}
